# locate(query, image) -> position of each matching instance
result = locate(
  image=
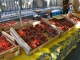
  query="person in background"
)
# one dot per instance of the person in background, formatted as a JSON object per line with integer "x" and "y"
{"x": 65, "y": 6}
{"x": 75, "y": 5}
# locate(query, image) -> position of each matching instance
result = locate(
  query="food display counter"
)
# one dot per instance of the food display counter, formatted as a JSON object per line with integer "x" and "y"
{"x": 58, "y": 49}
{"x": 56, "y": 46}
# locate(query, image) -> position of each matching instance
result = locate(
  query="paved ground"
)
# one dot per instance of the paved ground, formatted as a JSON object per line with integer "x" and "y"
{"x": 75, "y": 54}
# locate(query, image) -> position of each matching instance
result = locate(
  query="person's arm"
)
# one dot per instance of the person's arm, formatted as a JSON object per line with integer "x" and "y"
{"x": 67, "y": 4}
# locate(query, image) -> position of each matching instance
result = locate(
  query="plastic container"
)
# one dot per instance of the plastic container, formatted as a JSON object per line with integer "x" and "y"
{"x": 56, "y": 12}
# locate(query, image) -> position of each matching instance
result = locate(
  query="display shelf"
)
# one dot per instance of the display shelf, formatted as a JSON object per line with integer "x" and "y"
{"x": 45, "y": 50}
{"x": 71, "y": 38}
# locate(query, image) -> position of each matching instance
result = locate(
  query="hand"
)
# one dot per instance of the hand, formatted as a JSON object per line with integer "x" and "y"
{"x": 67, "y": 4}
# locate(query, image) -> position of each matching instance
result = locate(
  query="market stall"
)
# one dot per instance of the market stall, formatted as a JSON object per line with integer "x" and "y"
{"x": 58, "y": 49}
{"x": 58, "y": 40}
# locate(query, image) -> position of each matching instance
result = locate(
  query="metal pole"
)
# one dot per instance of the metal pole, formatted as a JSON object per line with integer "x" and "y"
{"x": 20, "y": 11}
